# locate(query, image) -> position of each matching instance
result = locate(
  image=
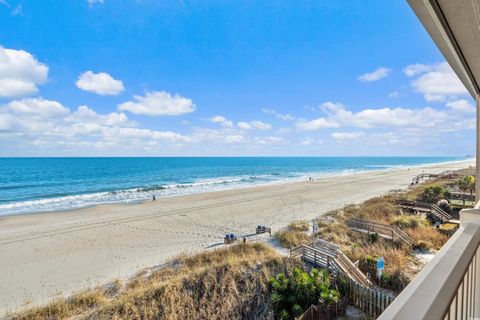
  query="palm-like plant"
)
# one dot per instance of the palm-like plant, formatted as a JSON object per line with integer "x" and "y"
{"x": 433, "y": 194}
{"x": 295, "y": 292}
{"x": 466, "y": 184}
{"x": 470, "y": 180}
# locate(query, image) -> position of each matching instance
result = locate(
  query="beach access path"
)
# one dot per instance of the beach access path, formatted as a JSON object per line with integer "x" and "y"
{"x": 47, "y": 255}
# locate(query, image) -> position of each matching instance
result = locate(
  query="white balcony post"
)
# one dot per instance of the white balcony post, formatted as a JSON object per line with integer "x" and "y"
{"x": 477, "y": 162}
{"x": 473, "y": 216}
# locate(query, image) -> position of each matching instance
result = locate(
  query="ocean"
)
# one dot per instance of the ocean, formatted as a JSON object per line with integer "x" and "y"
{"x": 30, "y": 185}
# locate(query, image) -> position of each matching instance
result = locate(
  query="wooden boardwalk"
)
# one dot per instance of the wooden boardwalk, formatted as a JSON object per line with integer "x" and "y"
{"x": 449, "y": 174}
{"x": 423, "y": 176}
{"x": 386, "y": 231}
{"x": 423, "y": 207}
{"x": 327, "y": 255}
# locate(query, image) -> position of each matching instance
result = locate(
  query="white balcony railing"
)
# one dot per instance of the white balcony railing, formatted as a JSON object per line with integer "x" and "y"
{"x": 448, "y": 287}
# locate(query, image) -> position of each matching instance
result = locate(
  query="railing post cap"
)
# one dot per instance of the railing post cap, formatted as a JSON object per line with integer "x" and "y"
{"x": 470, "y": 216}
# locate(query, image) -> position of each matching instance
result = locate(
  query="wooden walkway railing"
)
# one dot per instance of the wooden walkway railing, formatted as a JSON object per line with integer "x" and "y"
{"x": 422, "y": 176}
{"x": 370, "y": 300}
{"x": 358, "y": 291}
{"x": 325, "y": 312}
{"x": 445, "y": 174}
{"x": 424, "y": 207}
{"x": 393, "y": 233}
{"x": 329, "y": 256}
{"x": 440, "y": 213}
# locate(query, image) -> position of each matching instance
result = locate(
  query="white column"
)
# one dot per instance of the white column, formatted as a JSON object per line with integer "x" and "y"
{"x": 473, "y": 216}
{"x": 477, "y": 169}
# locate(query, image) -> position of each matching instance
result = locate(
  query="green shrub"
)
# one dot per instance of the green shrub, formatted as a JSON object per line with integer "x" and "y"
{"x": 434, "y": 194}
{"x": 294, "y": 292}
{"x": 370, "y": 261}
{"x": 373, "y": 237}
{"x": 409, "y": 222}
{"x": 393, "y": 281}
{"x": 445, "y": 205}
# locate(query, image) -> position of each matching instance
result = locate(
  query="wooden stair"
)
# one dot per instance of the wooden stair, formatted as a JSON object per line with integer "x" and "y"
{"x": 418, "y": 206}
{"x": 327, "y": 255}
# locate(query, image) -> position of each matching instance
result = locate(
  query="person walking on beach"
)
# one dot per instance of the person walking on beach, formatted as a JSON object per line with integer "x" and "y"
{"x": 153, "y": 199}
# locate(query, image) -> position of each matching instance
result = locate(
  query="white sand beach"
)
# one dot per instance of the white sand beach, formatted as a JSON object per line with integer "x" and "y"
{"x": 47, "y": 255}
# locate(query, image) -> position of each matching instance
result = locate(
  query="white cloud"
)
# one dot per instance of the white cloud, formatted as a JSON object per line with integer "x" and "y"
{"x": 158, "y": 103}
{"x": 20, "y": 73}
{"x": 376, "y": 75}
{"x": 418, "y": 123}
{"x": 285, "y": 117}
{"x": 436, "y": 82}
{"x": 93, "y": 2}
{"x": 268, "y": 111}
{"x": 316, "y": 124}
{"x": 347, "y": 135}
{"x": 461, "y": 105}
{"x": 393, "y": 94}
{"x": 425, "y": 117}
{"x": 382, "y": 117}
{"x": 254, "y": 125}
{"x": 40, "y": 117}
{"x": 244, "y": 125}
{"x": 138, "y": 133}
{"x": 268, "y": 140}
{"x": 87, "y": 115}
{"x": 17, "y": 11}
{"x": 218, "y": 119}
{"x": 234, "y": 138}
{"x": 100, "y": 83}
{"x": 260, "y": 125}
{"x": 222, "y": 121}
{"x": 217, "y": 136}
{"x": 307, "y": 141}
{"x": 37, "y": 107}
{"x": 283, "y": 131}
{"x": 39, "y": 126}
{"x": 415, "y": 69}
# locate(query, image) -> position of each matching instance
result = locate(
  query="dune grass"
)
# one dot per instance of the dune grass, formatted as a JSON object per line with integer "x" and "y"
{"x": 295, "y": 234}
{"x": 229, "y": 283}
{"x": 63, "y": 309}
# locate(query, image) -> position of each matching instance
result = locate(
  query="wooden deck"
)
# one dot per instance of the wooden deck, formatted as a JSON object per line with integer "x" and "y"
{"x": 386, "y": 231}
{"x": 423, "y": 207}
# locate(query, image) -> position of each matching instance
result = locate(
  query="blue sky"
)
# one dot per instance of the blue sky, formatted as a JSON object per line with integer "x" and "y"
{"x": 144, "y": 77}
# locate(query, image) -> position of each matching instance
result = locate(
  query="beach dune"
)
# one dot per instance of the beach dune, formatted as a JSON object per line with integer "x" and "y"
{"x": 48, "y": 255}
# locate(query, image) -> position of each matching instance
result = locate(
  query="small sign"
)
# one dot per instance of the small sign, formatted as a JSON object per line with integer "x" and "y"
{"x": 380, "y": 263}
